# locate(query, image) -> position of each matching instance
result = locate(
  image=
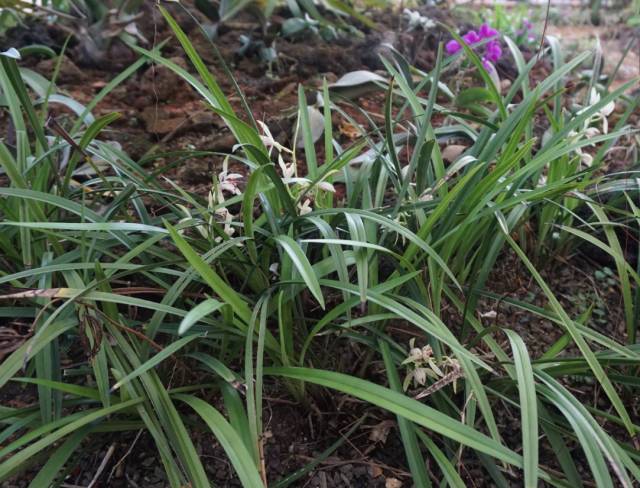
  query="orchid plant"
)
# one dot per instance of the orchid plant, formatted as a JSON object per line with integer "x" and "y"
{"x": 590, "y": 127}
{"x": 301, "y": 187}
{"x": 525, "y": 35}
{"x": 492, "y": 48}
{"x": 423, "y": 364}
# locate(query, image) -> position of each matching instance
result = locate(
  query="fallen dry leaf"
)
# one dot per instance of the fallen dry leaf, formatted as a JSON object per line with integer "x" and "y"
{"x": 380, "y": 432}
{"x": 348, "y": 130}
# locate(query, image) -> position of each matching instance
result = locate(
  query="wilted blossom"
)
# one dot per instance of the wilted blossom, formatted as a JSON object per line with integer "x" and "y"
{"x": 493, "y": 51}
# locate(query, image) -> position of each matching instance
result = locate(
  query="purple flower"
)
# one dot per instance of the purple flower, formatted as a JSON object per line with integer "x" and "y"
{"x": 528, "y": 25}
{"x": 452, "y": 46}
{"x": 471, "y": 37}
{"x": 487, "y": 32}
{"x": 493, "y": 51}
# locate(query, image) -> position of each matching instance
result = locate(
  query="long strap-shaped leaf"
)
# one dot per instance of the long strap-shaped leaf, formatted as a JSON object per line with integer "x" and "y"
{"x": 201, "y": 310}
{"x": 302, "y": 264}
{"x": 528, "y": 407}
{"x": 407, "y": 430}
{"x": 155, "y": 360}
{"x": 406, "y": 407}
{"x": 14, "y": 463}
{"x": 47, "y": 475}
{"x": 217, "y": 284}
{"x": 231, "y": 442}
{"x": 577, "y": 337}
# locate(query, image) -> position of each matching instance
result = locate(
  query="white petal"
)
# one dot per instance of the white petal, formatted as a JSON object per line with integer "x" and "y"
{"x": 586, "y": 159}
{"x": 305, "y": 208}
{"x": 608, "y": 108}
{"x": 416, "y": 354}
{"x": 326, "y": 186}
{"x": 591, "y": 132}
{"x": 265, "y": 129}
{"x": 420, "y": 376}
{"x": 12, "y": 52}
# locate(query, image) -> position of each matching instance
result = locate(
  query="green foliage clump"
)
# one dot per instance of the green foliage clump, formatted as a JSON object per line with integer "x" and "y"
{"x": 248, "y": 281}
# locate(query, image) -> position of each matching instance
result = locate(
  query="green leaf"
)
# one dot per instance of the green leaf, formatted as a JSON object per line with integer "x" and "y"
{"x": 578, "y": 338}
{"x": 47, "y": 475}
{"x": 416, "y": 462}
{"x": 155, "y": 360}
{"x": 76, "y": 390}
{"x": 231, "y": 442}
{"x": 472, "y": 96}
{"x": 15, "y": 462}
{"x": 217, "y": 284}
{"x": 408, "y": 408}
{"x": 199, "y": 311}
{"x": 528, "y": 408}
{"x": 302, "y": 264}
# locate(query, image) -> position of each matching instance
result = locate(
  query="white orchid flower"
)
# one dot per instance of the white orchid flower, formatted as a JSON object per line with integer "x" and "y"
{"x": 602, "y": 114}
{"x": 228, "y": 229}
{"x": 227, "y": 218}
{"x": 269, "y": 141}
{"x": 288, "y": 170}
{"x": 305, "y": 207}
{"x": 585, "y": 158}
{"x": 216, "y": 199}
{"x": 326, "y": 186}
{"x": 416, "y": 20}
{"x": 305, "y": 182}
{"x": 229, "y": 181}
{"x": 594, "y": 98}
{"x": 591, "y": 132}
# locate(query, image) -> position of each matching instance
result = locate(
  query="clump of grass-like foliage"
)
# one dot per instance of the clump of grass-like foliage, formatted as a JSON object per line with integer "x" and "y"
{"x": 247, "y": 281}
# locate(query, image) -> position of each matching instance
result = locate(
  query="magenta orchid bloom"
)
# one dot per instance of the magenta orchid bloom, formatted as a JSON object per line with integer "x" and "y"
{"x": 487, "y": 32}
{"x": 493, "y": 51}
{"x": 452, "y": 47}
{"x": 471, "y": 37}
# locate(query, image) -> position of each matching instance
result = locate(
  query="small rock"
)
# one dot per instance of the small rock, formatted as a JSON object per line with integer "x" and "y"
{"x": 69, "y": 72}
{"x": 451, "y": 152}
{"x": 162, "y": 82}
{"x": 392, "y": 483}
{"x": 159, "y": 120}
